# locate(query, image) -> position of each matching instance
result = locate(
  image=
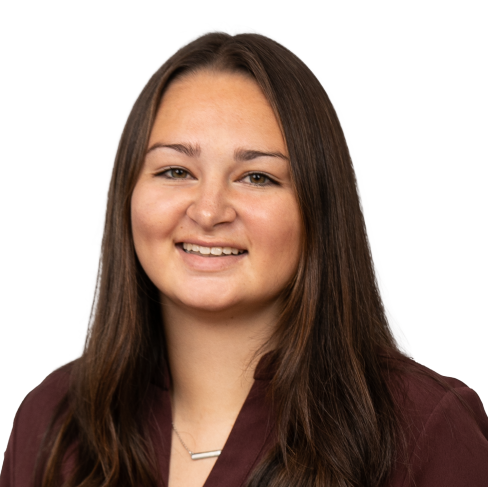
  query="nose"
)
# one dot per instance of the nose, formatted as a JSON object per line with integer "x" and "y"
{"x": 211, "y": 205}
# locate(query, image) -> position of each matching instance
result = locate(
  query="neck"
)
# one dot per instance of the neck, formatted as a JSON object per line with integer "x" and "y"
{"x": 212, "y": 358}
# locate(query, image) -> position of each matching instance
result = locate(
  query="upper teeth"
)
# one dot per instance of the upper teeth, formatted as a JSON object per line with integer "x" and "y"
{"x": 211, "y": 250}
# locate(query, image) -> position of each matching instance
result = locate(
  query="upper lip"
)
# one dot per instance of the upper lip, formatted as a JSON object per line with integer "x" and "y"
{"x": 217, "y": 243}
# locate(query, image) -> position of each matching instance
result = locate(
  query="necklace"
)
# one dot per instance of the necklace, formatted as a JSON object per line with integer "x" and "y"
{"x": 196, "y": 456}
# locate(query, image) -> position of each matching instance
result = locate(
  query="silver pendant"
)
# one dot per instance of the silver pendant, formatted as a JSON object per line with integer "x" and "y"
{"x": 205, "y": 454}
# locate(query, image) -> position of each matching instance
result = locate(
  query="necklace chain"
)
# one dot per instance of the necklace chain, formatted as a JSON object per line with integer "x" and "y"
{"x": 181, "y": 439}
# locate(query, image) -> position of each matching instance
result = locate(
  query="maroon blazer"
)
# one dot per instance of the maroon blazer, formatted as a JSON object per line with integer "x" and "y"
{"x": 447, "y": 446}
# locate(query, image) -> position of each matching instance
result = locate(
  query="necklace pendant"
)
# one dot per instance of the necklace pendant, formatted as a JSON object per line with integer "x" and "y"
{"x": 205, "y": 454}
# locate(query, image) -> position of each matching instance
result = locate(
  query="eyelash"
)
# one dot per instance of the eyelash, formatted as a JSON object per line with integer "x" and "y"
{"x": 269, "y": 180}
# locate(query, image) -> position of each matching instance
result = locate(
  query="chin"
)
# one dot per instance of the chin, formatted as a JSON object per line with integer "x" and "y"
{"x": 208, "y": 302}
{"x": 204, "y": 296}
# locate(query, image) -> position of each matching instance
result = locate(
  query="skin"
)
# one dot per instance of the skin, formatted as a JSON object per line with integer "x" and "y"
{"x": 225, "y": 181}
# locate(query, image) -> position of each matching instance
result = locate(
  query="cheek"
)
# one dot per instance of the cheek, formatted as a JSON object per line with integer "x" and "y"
{"x": 153, "y": 216}
{"x": 277, "y": 230}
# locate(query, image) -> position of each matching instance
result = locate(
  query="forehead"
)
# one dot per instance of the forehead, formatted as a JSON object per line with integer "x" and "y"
{"x": 218, "y": 88}
{"x": 227, "y": 104}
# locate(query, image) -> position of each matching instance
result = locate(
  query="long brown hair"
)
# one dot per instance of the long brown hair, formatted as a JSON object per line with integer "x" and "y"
{"x": 336, "y": 420}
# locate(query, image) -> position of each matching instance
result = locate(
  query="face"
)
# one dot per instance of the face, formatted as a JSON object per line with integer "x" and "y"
{"x": 215, "y": 219}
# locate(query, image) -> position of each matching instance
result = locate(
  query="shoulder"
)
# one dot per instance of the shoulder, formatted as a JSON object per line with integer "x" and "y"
{"x": 446, "y": 428}
{"x": 418, "y": 390}
{"x": 54, "y": 385}
{"x": 31, "y": 422}
{"x": 41, "y": 402}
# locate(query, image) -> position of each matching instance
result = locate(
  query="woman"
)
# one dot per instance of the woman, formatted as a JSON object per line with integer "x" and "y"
{"x": 237, "y": 305}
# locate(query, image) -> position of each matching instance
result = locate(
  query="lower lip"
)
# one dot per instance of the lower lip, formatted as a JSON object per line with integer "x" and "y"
{"x": 209, "y": 264}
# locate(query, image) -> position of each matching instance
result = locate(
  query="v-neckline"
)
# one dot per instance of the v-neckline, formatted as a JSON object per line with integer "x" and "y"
{"x": 249, "y": 438}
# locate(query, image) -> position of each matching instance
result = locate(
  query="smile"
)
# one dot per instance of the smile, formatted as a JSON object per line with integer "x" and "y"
{"x": 210, "y": 251}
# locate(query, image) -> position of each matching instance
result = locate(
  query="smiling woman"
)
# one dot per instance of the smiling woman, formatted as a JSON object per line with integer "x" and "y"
{"x": 238, "y": 336}
{"x": 216, "y": 227}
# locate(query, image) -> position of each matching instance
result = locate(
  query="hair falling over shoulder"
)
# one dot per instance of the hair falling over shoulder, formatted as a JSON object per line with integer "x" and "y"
{"x": 337, "y": 423}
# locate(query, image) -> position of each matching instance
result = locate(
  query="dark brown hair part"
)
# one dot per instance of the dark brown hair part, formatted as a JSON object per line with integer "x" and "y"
{"x": 336, "y": 420}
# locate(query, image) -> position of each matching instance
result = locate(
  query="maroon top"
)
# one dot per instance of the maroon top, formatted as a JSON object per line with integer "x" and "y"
{"x": 447, "y": 447}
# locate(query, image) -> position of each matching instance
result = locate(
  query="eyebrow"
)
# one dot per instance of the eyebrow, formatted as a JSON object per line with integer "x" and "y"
{"x": 240, "y": 155}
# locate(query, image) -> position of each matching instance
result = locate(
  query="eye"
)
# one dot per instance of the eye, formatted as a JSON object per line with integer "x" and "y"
{"x": 175, "y": 173}
{"x": 258, "y": 179}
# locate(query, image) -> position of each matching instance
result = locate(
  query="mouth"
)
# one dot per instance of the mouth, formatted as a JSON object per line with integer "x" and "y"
{"x": 194, "y": 249}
